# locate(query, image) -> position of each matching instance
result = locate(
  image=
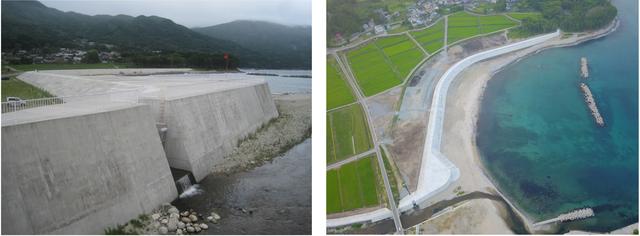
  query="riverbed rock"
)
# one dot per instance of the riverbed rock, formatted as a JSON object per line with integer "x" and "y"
{"x": 204, "y": 226}
{"x": 163, "y": 230}
{"x": 215, "y": 216}
{"x": 184, "y": 213}
{"x": 197, "y": 228}
{"x": 155, "y": 216}
{"x": 191, "y": 229}
{"x": 181, "y": 225}
{"x": 193, "y": 218}
{"x": 173, "y": 210}
{"x": 185, "y": 219}
{"x": 155, "y": 225}
{"x": 174, "y": 216}
{"x": 172, "y": 225}
{"x": 179, "y": 232}
{"x": 164, "y": 221}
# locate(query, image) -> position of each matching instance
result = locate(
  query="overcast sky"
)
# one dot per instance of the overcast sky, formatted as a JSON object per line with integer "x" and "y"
{"x": 196, "y": 13}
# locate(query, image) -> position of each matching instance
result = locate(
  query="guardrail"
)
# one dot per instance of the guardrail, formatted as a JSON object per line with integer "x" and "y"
{"x": 130, "y": 96}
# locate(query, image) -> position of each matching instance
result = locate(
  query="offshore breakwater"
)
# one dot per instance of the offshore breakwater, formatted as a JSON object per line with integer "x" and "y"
{"x": 540, "y": 144}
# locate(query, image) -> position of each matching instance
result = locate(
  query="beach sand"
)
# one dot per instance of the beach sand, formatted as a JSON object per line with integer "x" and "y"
{"x": 479, "y": 216}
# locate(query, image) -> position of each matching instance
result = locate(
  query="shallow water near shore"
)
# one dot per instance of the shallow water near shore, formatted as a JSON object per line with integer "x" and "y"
{"x": 274, "y": 198}
{"x": 540, "y": 143}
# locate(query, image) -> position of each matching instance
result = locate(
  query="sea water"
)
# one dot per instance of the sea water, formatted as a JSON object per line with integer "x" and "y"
{"x": 540, "y": 144}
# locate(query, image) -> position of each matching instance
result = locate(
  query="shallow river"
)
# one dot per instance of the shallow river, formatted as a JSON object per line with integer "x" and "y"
{"x": 271, "y": 199}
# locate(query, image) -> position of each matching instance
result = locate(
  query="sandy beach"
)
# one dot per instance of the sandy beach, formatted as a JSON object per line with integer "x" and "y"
{"x": 462, "y": 108}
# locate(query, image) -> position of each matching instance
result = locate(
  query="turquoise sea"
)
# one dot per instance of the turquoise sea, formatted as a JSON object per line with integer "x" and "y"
{"x": 540, "y": 144}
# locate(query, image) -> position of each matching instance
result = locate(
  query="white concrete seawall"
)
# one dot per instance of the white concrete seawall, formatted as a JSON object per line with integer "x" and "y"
{"x": 205, "y": 117}
{"x": 77, "y": 169}
{"x": 97, "y": 160}
{"x": 436, "y": 171}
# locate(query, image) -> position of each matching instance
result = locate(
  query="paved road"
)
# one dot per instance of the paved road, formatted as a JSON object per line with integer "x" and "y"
{"x": 361, "y": 98}
{"x": 350, "y": 159}
{"x": 446, "y": 32}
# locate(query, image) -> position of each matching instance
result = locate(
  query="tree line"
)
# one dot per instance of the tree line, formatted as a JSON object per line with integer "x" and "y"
{"x": 568, "y": 15}
{"x": 182, "y": 59}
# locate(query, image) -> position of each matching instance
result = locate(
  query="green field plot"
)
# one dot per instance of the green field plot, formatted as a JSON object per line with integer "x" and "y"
{"x": 402, "y": 52}
{"x": 17, "y": 88}
{"x": 432, "y": 38}
{"x": 459, "y": 33}
{"x": 384, "y": 63}
{"x": 338, "y": 91}
{"x": 523, "y": 15}
{"x": 347, "y": 133}
{"x": 353, "y": 185}
{"x": 373, "y": 73}
{"x": 494, "y": 23}
{"x": 463, "y": 25}
{"x": 406, "y": 61}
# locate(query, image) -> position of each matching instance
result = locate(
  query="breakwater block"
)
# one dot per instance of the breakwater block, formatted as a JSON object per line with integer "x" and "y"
{"x": 591, "y": 104}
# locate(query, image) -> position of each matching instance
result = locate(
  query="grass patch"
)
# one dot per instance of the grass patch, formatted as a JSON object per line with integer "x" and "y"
{"x": 353, "y": 185}
{"x": 30, "y": 67}
{"x": 347, "y": 133}
{"x": 338, "y": 91}
{"x": 384, "y": 63}
{"x": 392, "y": 177}
{"x": 524, "y": 15}
{"x": 14, "y": 87}
{"x": 371, "y": 70}
{"x": 463, "y": 25}
{"x": 432, "y": 38}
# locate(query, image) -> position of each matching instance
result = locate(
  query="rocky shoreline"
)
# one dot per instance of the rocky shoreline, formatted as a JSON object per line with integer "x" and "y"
{"x": 167, "y": 220}
{"x": 291, "y": 127}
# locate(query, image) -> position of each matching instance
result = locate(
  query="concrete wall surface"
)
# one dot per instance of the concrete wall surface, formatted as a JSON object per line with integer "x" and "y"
{"x": 204, "y": 128}
{"x": 81, "y": 173}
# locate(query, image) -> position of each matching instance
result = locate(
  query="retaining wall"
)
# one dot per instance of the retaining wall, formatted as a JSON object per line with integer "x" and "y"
{"x": 80, "y": 173}
{"x": 203, "y": 129}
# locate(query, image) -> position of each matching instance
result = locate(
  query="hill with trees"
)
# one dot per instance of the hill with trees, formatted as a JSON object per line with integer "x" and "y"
{"x": 28, "y": 25}
{"x": 285, "y": 44}
{"x": 568, "y": 15}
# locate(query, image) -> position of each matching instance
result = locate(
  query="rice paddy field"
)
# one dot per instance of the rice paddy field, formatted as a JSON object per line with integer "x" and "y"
{"x": 338, "y": 91}
{"x": 347, "y": 133}
{"x": 432, "y": 38}
{"x": 463, "y": 25}
{"x": 523, "y": 15}
{"x": 354, "y": 185}
{"x": 384, "y": 63}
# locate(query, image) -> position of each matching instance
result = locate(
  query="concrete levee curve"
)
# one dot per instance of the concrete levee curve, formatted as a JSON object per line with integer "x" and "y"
{"x": 436, "y": 171}
{"x": 80, "y": 173}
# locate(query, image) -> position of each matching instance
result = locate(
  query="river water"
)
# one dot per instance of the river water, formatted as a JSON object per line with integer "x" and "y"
{"x": 274, "y": 198}
{"x": 540, "y": 143}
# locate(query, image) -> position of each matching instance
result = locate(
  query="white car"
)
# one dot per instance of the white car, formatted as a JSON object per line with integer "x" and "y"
{"x": 16, "y": 102}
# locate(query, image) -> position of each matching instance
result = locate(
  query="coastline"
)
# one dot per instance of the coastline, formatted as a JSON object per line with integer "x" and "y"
{"x": 463, "y": 108}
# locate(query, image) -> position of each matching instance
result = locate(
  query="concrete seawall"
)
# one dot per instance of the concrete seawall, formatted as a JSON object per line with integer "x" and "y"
{"x": 96, "y": 161}
{"x": 204, "y": 128}
{"x": 205, "y": 117}
{"x": 77, "y": 169}
{"x": 436, "y": 171}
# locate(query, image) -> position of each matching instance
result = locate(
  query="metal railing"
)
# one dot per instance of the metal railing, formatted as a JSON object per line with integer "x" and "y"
{"x": 130, "y": 96}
